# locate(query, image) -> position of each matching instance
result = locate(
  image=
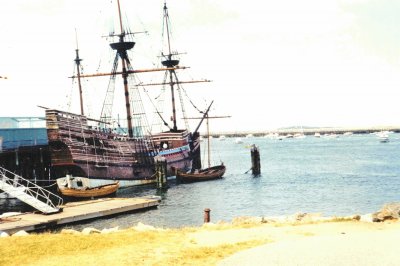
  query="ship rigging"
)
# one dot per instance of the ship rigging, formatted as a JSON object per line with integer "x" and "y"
{"x": 104, "y": 155}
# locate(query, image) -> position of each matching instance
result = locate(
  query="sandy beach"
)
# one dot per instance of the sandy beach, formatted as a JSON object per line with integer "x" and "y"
{"x": 299, "y": 240}
{"x": 331, "y": 243}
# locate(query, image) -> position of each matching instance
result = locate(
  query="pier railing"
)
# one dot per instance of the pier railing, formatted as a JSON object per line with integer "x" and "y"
{"x": 29, "y": 192}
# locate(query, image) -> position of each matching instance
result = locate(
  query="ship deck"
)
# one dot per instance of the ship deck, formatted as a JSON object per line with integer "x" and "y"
{"x": 75, "y": 212}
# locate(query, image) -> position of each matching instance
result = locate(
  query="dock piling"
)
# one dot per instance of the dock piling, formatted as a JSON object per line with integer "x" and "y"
{"x": 161, "y": 172}
{"x": 207, "y": 215}
{"x": 255, "y": 160}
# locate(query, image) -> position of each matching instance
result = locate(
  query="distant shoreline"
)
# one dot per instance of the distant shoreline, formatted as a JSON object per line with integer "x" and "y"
{"x": 308, "y": 131}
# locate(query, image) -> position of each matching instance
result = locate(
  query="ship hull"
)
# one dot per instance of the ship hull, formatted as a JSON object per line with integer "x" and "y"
{"x": 104, "y": 156}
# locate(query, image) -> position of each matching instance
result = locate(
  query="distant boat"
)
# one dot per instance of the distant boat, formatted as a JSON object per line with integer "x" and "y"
{"x": 299, "y": 136}
{"x": 348, "y": 134}
{"x": 238, "y": 140}
{"x": 272, "y": 136}
{"x": 77, "y": 187}
{"x": 331, "y": 136}
{"x": 317, "y": 135}
{"x": 383, "y": 136}
{"x": 249, "y": 136}
{"x": 222, "y": 137}
{"x": 281, "y": 137}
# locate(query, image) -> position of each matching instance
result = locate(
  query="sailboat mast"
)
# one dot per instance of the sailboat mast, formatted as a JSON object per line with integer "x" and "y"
{"x": 127, "y": 102}
{"x": 175, "y": 128}
{"x": 166, "y": 16}
{"x": 120, "y": 17}
{"x": 208, "y": 142}
{"x": 78, "y": 72}
{"x": 78, "y": 63}
{"x": 122, "y": 48}
{"x": 170, "y": 63}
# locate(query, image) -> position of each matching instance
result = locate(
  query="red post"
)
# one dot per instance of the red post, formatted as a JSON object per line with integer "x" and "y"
{"x": 207, "y": 215}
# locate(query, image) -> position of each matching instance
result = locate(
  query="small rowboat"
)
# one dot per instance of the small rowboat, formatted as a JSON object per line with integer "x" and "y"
{"x": 79, "y": 187}
{"x": 205, "y": 174}
{"x": 92, "y": 192}
{"x": 211, "y": 173}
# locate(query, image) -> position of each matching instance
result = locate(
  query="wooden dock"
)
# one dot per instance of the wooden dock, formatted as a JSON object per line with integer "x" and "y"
{"x": 75, "y": 212}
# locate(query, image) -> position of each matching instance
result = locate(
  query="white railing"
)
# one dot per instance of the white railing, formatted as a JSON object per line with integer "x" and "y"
{"x": 29, "y": 188}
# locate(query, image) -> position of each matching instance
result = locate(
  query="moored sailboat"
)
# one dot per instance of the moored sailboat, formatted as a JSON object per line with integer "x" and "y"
{"x": 203, "y": 174}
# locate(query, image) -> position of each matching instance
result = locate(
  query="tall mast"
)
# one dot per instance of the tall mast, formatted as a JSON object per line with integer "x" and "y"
{"x": 120, "y": 17}
{"x": 122, "y": 47}
{"x": 78, "y": 69}
{"x": 208, "y": 142}
{"x": 170, "y": 63}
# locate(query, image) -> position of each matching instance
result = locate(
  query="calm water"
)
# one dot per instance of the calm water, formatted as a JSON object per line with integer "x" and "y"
{"x": 348, "y": 175}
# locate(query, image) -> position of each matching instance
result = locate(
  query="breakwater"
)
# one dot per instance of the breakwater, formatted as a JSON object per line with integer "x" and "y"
{"x": 308, "y": 131}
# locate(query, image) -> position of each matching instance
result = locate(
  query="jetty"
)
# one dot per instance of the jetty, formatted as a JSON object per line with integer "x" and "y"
{"x": 74, "y": 212}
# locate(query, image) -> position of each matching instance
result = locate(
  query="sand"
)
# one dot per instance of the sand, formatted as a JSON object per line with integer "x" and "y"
{"x": 333, "y": 243}
{"x": 299, "y": 240}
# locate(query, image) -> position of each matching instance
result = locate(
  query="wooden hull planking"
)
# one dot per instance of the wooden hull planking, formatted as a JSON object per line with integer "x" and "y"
{"x": 212, "y": 173}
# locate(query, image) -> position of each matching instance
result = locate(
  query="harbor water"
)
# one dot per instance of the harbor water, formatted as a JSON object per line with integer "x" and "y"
{"x": 340, "y": 176}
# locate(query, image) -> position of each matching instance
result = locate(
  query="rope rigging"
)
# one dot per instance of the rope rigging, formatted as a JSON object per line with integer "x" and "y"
{"x": 156, "y": 109}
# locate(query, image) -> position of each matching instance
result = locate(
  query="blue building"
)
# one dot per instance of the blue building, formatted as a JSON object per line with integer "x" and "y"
{"x": 24, "y": 147}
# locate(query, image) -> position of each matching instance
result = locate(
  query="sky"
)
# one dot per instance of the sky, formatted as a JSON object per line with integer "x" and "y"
{"x": 272, "y": 63}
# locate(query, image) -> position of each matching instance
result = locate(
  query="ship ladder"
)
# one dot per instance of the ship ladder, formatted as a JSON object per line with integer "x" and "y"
{"x": 28, "y": 192}
{"x": 101, "y": 159}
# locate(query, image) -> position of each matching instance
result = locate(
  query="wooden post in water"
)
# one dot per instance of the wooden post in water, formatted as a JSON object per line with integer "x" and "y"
{"x": 255, "y": 160}
{"x": 207, "y": 215}
{"x": 161, "y": 172}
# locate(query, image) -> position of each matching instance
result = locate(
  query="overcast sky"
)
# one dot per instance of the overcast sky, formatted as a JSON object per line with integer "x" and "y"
{"x": 273, "y": 63}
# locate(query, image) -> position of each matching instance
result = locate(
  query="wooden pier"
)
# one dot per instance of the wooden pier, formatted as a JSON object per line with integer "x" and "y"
{"x": 75, "y": 212}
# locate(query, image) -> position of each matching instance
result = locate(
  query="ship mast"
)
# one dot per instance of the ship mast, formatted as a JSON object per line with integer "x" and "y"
{"x": 207, "y": 117}
{"x": 170, "y": 63}
{"x": 122, "y": 47}
{"x": 78, "y": 69}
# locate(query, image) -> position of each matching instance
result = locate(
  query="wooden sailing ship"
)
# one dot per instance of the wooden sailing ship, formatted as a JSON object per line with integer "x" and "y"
{"x": 102, "y": 153}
